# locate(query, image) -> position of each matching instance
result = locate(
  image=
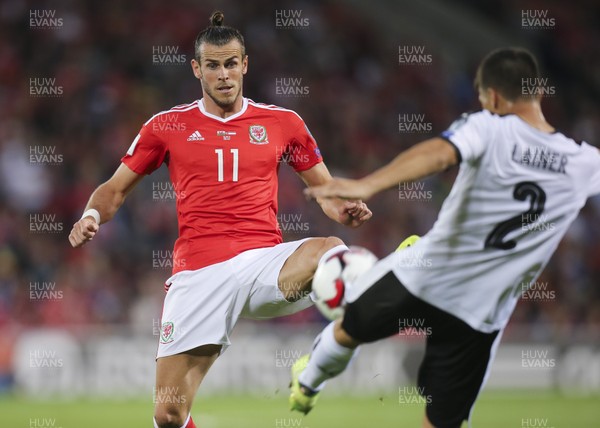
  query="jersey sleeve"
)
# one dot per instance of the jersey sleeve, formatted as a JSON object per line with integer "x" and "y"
{"x": 147, "y": 152}
{"x": 594, "y": 188}
{"x": 467, "y": 134}
{"x": 303, "y": 152}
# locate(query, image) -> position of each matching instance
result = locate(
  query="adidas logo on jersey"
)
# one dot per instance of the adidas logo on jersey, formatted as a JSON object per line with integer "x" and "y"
{"x": 196, "y": 136}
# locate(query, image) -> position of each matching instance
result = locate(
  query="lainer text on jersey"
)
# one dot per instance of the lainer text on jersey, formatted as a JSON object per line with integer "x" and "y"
{"x": 541, "y": 158}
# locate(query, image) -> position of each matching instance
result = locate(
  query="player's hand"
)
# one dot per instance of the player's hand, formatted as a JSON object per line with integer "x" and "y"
{"x": 354, "y": 213}
{"x": 340, "y": 188}
{"x": 348, "y": 213}
{"x": 83, "y": 231}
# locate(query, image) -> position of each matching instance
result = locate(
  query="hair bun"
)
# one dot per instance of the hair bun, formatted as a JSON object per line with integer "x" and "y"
{"x": 217, "y": 18}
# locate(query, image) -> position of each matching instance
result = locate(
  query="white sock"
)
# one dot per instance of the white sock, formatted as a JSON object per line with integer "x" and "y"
{"x": 327, "y": 359}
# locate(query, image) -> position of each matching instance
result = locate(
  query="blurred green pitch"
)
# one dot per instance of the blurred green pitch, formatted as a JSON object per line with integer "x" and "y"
{"x": 494, "y": 409}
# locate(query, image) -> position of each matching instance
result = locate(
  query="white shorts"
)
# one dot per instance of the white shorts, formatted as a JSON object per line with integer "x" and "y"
{"x": 202, "y": 306}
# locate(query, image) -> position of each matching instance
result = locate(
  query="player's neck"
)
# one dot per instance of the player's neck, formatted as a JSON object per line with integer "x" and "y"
{"x": 213, "y": 108}
{"x": 531, "y": 112}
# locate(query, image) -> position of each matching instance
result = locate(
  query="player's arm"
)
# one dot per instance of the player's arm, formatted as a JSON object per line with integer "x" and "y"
{"x": 421, "y": 160}
{"x": 106, "y": 200}
{"x": 350, "y": 213}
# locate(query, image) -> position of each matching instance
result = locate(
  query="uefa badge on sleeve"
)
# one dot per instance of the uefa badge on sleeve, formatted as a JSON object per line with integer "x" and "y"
{"x": 166, "y": 332}
{"x": 258, "y": 134}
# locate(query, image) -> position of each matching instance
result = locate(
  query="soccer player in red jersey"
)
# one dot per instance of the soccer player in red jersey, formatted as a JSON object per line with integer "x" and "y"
{"x": 223, "y": 153}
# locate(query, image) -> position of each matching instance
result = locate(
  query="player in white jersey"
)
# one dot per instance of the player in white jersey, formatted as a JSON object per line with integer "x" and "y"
{"x": 520, "y": 185}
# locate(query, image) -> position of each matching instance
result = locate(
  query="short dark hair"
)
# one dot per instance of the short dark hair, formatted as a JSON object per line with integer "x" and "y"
{"x": 217, "y": 34}
{"x": 505, "y": 70}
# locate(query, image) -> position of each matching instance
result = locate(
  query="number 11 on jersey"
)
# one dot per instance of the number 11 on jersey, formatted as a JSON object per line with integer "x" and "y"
{"x": 234, "y": 153}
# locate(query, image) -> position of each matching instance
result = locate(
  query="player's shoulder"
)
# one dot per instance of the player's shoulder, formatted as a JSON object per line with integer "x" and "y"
{"x": 275, "y": 110}
{"x": 175, "y": 110}
{"x": 470, "y": 119}
{"x": 591, "y": 150}
{"x": 485, "y": 120}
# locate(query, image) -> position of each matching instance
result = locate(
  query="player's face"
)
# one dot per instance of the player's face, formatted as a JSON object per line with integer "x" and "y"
{"x": 221, "y": 70}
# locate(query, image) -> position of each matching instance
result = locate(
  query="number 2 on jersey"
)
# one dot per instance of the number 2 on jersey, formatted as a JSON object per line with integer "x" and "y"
{"x": 219, "y": 153}
{"x": 537, "y": 200}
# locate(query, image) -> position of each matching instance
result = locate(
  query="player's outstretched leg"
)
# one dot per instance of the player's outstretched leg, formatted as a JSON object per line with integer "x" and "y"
{"x": 295, "y": 277}
{"x": 372, "y": 316}
{"x": 177, "y": 380}
{"x": 332, "y": 351}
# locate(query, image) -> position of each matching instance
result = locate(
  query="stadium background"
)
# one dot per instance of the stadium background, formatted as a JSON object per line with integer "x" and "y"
{"x": 75, "y": 89}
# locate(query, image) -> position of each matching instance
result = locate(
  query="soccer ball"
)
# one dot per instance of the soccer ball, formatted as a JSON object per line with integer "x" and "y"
{"x": 335, "y": 274}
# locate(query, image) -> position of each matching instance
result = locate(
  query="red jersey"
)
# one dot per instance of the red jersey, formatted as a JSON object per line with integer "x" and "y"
{"x": 224, "y": 173}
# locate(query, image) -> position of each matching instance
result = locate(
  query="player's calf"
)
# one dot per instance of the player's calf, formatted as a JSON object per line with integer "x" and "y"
{"x": 172, "y": 407}
{"x": 177, "y": 380}
{"x": 295, "y": 278}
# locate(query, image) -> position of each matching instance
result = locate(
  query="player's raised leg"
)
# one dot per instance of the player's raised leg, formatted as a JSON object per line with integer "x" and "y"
{"x": 177, "y": 380}
{"x": 334, "y": 348}
{"x": 371, "y": 314}
{"x": 332, "y": 351}
{"x": 295, "y": 276}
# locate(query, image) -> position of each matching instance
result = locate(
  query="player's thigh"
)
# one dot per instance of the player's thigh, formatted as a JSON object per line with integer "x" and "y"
{"x": 455, "y": 365}
{"x": 178, "y": 378}
{"x": 201, "y": 307}
{"x": 377, "y": 303}
{"x": 300, "y": 266}
{"x": 261, "y": 268}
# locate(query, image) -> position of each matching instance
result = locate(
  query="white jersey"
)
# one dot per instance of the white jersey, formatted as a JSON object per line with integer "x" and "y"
{"x": 517, "y": 192}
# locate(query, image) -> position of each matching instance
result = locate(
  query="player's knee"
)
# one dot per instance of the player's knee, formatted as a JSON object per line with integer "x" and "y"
{"x": 343, "y": 338}
{"x": 326, "y": 245}
{"x": 170, "y": 416}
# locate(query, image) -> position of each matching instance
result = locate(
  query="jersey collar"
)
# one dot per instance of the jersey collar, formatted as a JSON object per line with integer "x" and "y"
{"x": 220, "y": 119}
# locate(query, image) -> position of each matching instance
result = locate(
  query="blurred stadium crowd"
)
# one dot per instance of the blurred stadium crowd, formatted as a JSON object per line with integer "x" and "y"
{"x": 102, "y": 59}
